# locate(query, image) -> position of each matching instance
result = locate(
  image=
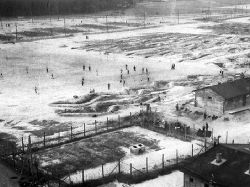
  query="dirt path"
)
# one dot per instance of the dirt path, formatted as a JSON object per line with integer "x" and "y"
{"x": 5, "y": 177}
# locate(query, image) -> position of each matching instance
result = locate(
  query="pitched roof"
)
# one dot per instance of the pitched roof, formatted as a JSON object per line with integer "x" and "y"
{"x": 230, "y": 174}
{"x": 232, "y": 89}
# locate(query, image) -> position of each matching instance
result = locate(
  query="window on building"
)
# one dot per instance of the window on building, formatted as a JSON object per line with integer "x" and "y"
{"x": 210, "y": 98}
{"x": 206, "y": 185}
{"x": 191, "y": 179}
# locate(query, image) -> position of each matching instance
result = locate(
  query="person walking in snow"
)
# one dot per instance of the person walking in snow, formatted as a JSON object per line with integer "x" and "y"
{"x": 52, "y": 76}
{"x": 89, "y": 68}
{"x": 47, "y": 69}
{"x": 146, "y": 70}
{"x": 126, "y": 67}
{"x": 142, "y": 70}
{"x": 134, "y": 68}
{"x": 82, "y": 81}
{"x": 108, "y": 86}
{"x": 83, "y": 67}
{"x": 36, "y": 90}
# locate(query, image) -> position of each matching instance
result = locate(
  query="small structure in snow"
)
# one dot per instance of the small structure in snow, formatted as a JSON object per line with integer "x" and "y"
{"x": 137, "y": 149}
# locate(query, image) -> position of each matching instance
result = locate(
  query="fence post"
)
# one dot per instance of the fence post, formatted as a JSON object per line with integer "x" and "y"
{"x": 102, "y": 171}
{"x": 107, "y": 123}
{"x": 84, "y": 129}
{"x": 119, "y": 166}
{"x": 162, "y": 161}
{"x": 71, "y": 132}
{"x": 44, "y": 143}
{"x": 29, "y": 143}
{"x": 176, "y": 156}
{"x": 22, "y": 145}
{"x": 95, "y": 127}
{"x": 192, "y": 150}
{"x": 147, "y": 165}
{"x": 83, "y": 176}
{"x": 131, "y": 174}
{"x": 185, "y": 129}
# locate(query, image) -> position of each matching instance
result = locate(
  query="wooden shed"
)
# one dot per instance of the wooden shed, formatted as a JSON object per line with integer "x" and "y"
{"x": 217, "y": 99}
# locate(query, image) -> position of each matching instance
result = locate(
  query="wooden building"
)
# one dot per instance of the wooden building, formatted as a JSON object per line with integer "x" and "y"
{"x": 217, "y": 99}
{"x": 224, "y": 165}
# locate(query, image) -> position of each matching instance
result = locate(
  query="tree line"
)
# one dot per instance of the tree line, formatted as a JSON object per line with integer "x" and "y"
{"x": 14, "y": 8}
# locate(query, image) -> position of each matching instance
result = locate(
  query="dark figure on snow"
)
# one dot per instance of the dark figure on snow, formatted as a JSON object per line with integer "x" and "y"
{"x": 108, "y": 86}
{"x": 52, "y": 76}
{"x": 148, "y": 79}
{"x": 124, "y": 82}
{"x": 82, "y": 81}
{"x": 173, "y": 66}
{"x": 206, "y": 126}
{"x": 121, "y": 76}
{"x": 142, "y": 70}
{"x": 89, "y": 68}
{"x": 121, "y": 81}
{"x": 126, "y": 67}
{"x": 83, "y": 67}
{"x": 1, "y": 75}
{"x": 128, "y": 71}
{"x": 47, "y": 69}
{"x": 134, "y": 68}
{"x": 147, "y": 70}
{"x": 205, "y": 115}
{"x": 177, "y": 107}
{"x": 121, "y": 71}
{"x": 36, "y": 90}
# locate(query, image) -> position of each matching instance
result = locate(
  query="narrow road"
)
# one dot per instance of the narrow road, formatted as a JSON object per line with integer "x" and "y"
{"x": 5, "y": 177}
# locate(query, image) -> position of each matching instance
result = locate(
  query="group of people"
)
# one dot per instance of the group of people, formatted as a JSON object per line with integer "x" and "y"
{"x": 144, "y": 70}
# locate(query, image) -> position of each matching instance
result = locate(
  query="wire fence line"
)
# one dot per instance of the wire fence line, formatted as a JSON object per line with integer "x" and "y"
{"x": 23, "y": 160}
{"x": 130, "y": 169}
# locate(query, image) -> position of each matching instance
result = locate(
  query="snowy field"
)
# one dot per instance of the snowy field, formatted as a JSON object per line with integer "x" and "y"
{"x": 41, "y": 82}
{"x": 194, "y": 50}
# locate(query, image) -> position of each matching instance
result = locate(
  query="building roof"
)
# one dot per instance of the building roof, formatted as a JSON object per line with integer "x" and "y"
{"x": 232, "y": 89}
{"x": 229, "y": 174}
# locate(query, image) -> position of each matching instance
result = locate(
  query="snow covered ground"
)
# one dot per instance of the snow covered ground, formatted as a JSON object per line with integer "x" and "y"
{"x": 175, "y": 179}
{"x": 170, "y": 147}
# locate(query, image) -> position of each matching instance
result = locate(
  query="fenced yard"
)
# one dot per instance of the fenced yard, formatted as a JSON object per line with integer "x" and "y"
{"x": 23, "y": 158}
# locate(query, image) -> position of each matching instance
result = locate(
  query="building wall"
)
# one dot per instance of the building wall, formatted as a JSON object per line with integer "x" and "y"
{"x": 190, "y": 181}
{"x": 211, "y": 102}
{"x": 237, "y": 102}
{"x": 233, "y": 103}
